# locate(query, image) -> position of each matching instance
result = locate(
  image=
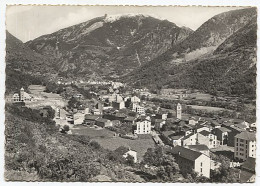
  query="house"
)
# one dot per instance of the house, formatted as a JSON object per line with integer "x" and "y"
{"x": 176, "y": 140}
{"x": 96, "y": 112}
{"x": 208, "y": 139}
{"x": 91, "y": 119}
{"x": 245, "y": 145}
{"x": 140, "y": 109}
{"x": 189, "y": 160}
{"x": 199, "y": 148}
{"x": 135, "y": 99}
{"x": 120, "y": 116}
{"x": 143, "y": 125}
{"x": 222, "y": 134}
{"x": 200, "y": 128}
{"x": 22, "y": 96}
{"x": 78, "y": 118}
{"x": 247, "y": 173}
{"x": 190, "y": 139}
{"x": 158, "y": 123}
{"x": 118, "y": 105}
{"x": 231, "y": 135}
{"x": 131, "y": 153}
{"x": 130, "y": 119}
{"x": 193, "y": 121}
{"x": 103, "y": 122}
{"x": 162, "y": 116}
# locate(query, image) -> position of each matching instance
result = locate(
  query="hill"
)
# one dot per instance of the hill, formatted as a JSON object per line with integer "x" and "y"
{"x": 108, "y": 46}
{"x": 23, "y": 65}
{"x": 231, "y": 64}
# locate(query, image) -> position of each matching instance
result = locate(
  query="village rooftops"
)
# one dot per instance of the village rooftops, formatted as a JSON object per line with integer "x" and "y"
{"x": 186, "y": 153}
{"x": 246, "y": 136}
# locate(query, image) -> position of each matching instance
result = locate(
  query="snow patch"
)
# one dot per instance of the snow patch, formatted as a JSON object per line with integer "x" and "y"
{"x": 116, "y": 17}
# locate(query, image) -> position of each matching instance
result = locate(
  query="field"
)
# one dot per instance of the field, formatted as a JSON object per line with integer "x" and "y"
{"x": 105, "y": 138}
{"x": 200, "y": 96}
{"x": 210, "y": 109}
{"x": 94, "y": 133}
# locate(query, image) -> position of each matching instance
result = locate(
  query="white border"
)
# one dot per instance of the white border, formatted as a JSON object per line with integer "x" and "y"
{"x": 3, "y": 4}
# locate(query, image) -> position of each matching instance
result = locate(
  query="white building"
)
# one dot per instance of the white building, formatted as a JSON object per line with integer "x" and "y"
{"x": 245, "y": 145}
{"x": 189, "y": 160}
{"x": 178, "y": 111}
{"x": 78, "y": 118}
{"x": 140, "y": 109}
{"x": 143, "y": 126}
{"x": 131, "y": 153}
{"x": 135, "y": 99}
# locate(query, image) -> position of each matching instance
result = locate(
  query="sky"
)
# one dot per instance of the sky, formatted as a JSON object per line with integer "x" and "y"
{"x": 29, "y": 22}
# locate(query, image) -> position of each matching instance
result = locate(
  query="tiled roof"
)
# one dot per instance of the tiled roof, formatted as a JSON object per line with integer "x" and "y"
{"x": 186, "y": 153}
{"x": 204, "y": 133}
{"x": 245, "y": 176}
{"x": 249, "y": 164}
{"x": 102, "y": 120}
{"x": 246, "y": 136}
{"x": 223, "y": 129}
{"x": 198, "y": 147}
{"x": 130, "y": 118}
{"x": 91, "y": 117}
{"x": 186, "y": 137}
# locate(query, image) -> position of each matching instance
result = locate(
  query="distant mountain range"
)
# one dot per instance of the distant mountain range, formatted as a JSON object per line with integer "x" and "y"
{"x": 109, "y": 46}
{"x": 145, "y": 51}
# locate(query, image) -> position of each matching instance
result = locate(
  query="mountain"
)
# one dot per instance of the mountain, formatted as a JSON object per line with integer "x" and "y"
{"x": 23, "y": 65}
{"x": 108, "y": 46}
{"x": 229, "y": 67}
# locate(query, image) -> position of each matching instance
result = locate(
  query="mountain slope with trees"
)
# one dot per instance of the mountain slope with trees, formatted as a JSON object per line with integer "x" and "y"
{"x": 230, "y": 67}
{"x": 108, "y": 46}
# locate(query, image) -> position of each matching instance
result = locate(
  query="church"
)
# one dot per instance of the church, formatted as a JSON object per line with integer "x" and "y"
{"x": 22, "y": 96}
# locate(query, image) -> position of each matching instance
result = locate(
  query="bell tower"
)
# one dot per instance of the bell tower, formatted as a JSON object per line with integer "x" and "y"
{"x": 178, "y": 111}
{"x": 22, "y": 94}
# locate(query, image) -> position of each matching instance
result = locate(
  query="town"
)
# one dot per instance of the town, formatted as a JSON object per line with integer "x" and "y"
{"x": 114, "y": 114}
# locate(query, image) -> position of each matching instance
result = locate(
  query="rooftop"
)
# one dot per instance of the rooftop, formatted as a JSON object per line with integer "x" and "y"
{"x": 198, "y": 147}
{"x": 249, "y": 164}
{"x": 186, "y": 153}
{"x": 251, "y": 136}
{"x": 205, "y": 133}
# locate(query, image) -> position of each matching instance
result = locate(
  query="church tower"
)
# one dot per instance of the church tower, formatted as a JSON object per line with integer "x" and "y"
{"x": 22, "y": 94}
{"x": 178, "y": 111}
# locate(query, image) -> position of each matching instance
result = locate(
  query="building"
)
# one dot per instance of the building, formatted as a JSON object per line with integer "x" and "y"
{"x": 91, "y": 119}
{"x": 20, "y": 97}
{"x": 178, "y": 111}
{"x": 140, "y": 109}
{"x": 103, "y": 122}
{"x": 143, "y": 125}
{"x": 245, "y": 145}
{"x": 247, "y": 172}
{"x": 118, "y": 105}
{"x": 78, "y": 118}
{"x": 222, "y": 135}
{"x": 190, "y": 139}
{"x": 130, "y": 119}
{"x": 189, "y": 160}
{"x": 208, "y": 139}
{"x": 199, "y": 148}
{"x": 131, "y": 153}
{"x": 135, "y": 99}
{"x": 158, "y": 123}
